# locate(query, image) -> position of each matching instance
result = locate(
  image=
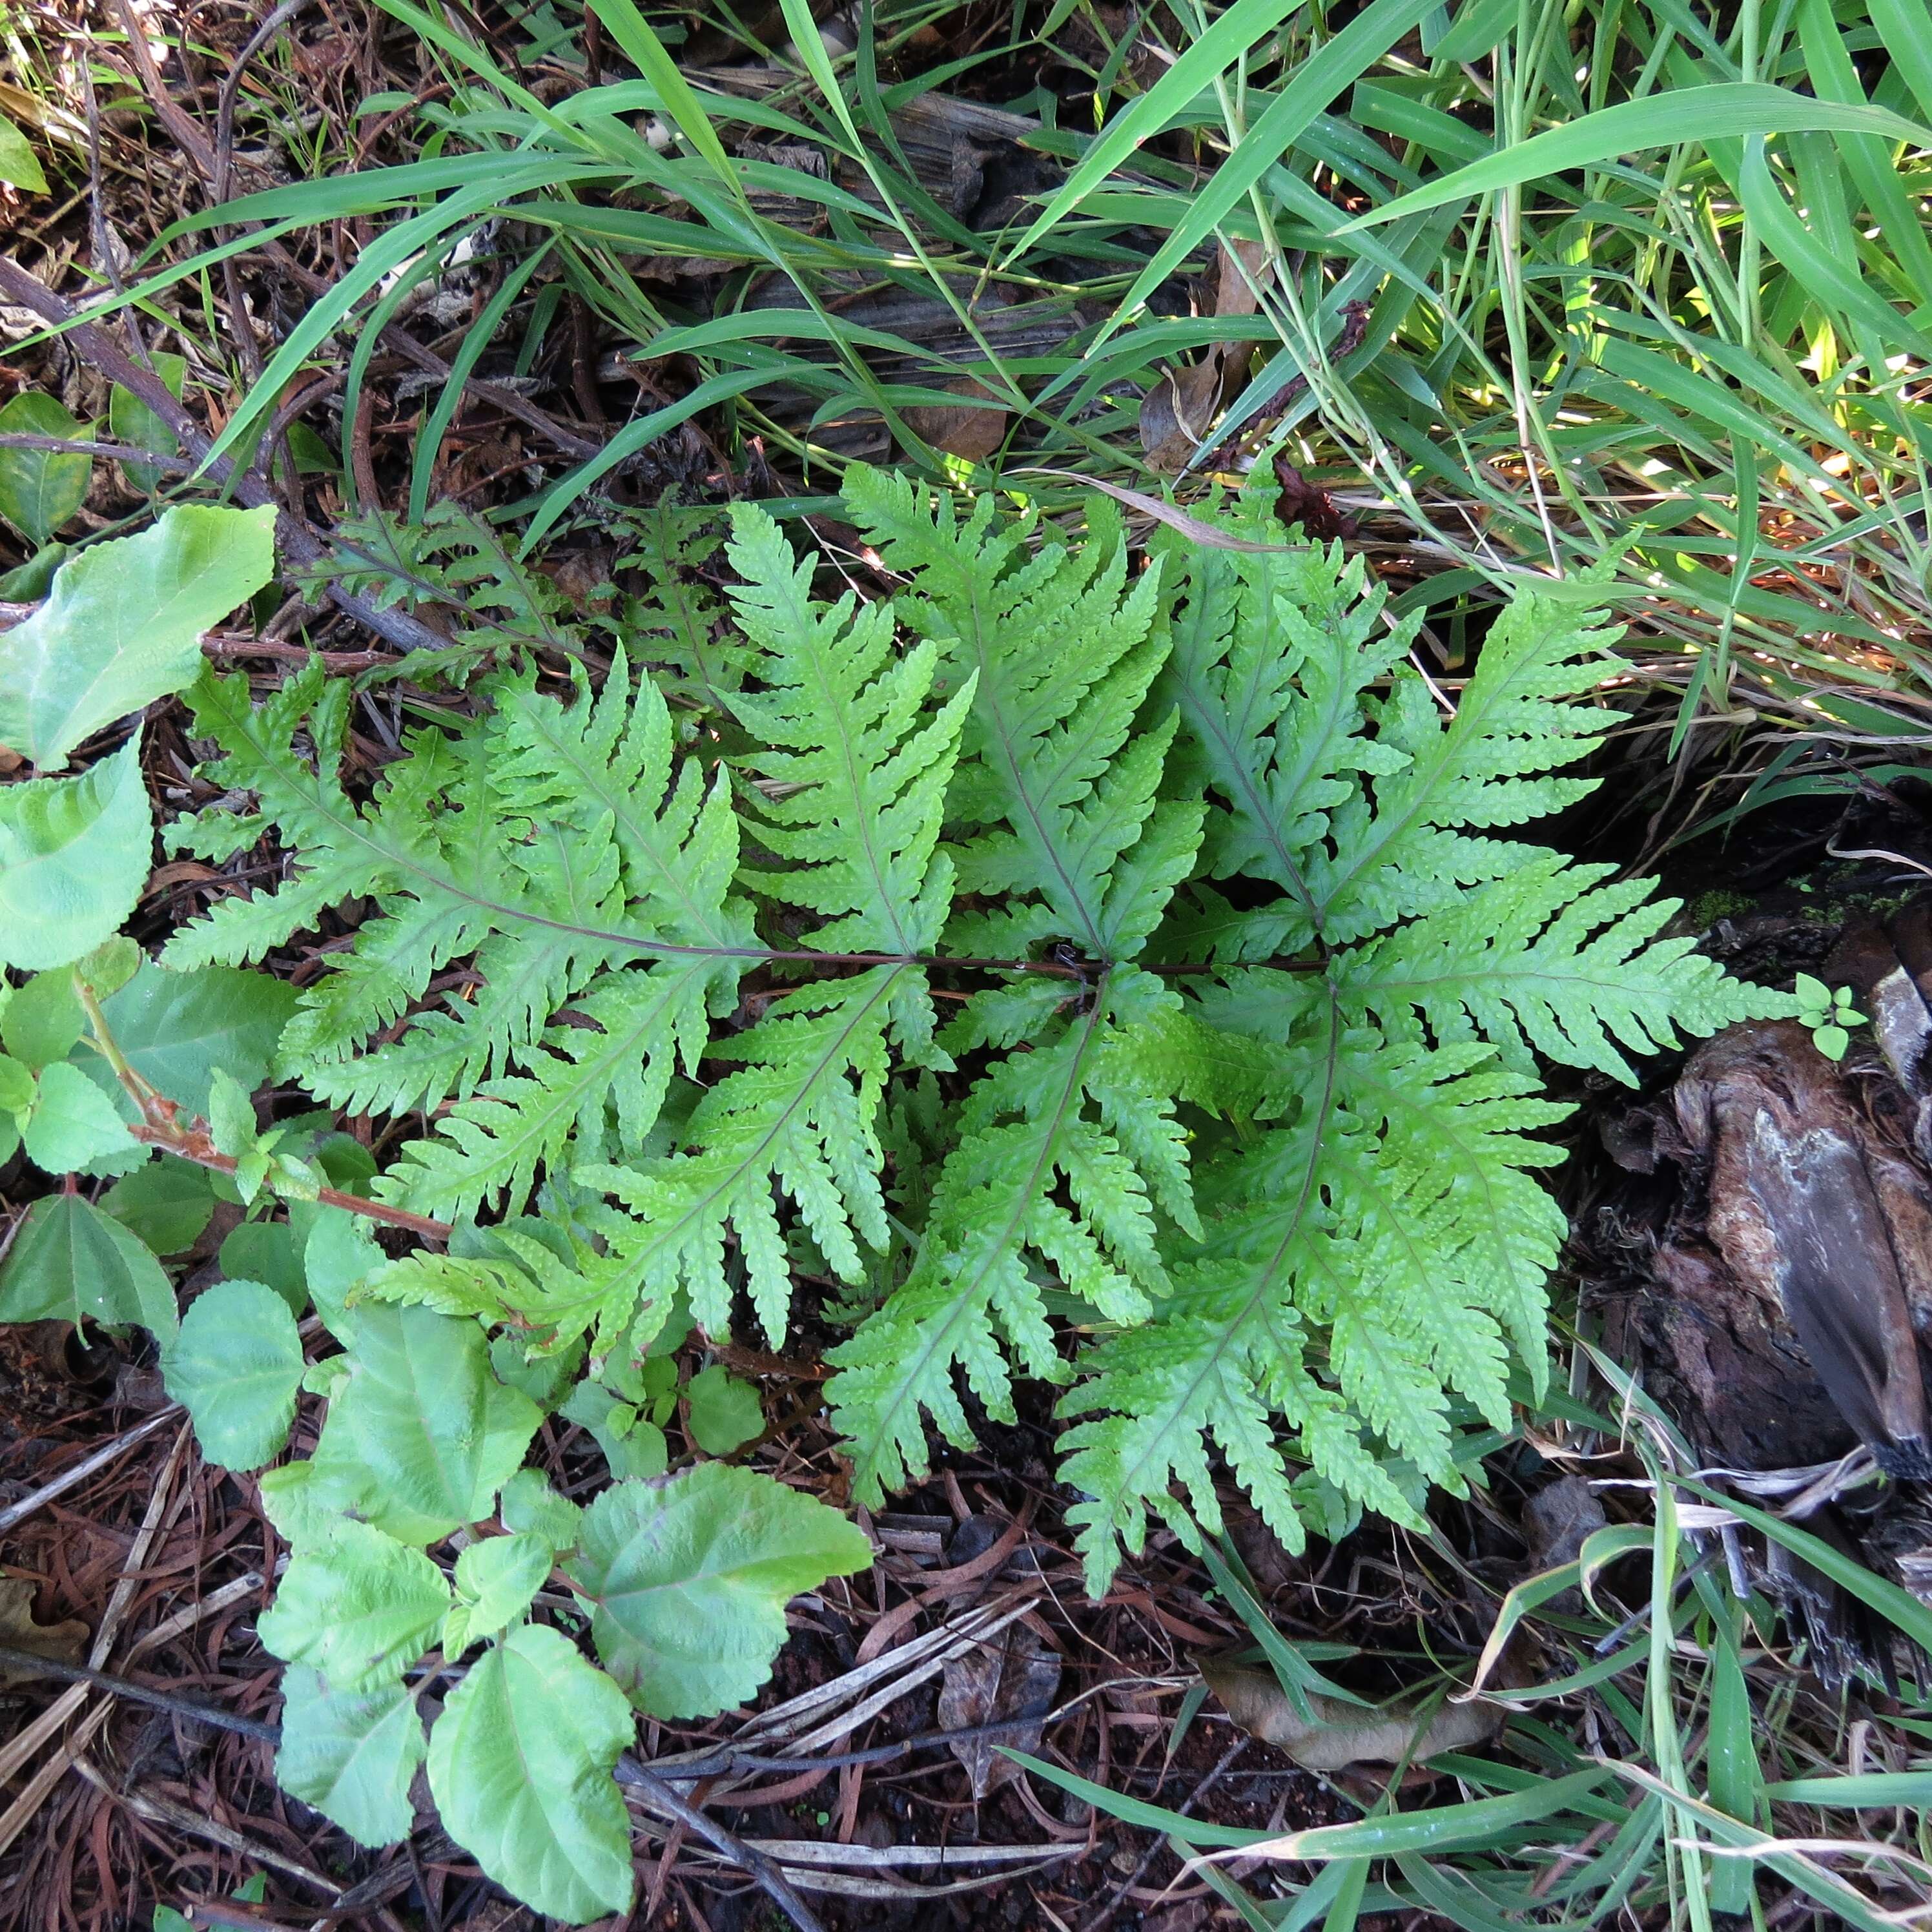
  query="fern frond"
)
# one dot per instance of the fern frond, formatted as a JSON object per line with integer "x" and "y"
{"x": 1515, "y": 724}
{"x": 1059, "y": 1150}
{"x": 1357, "y": 1264}
{"x": 1274, "y": 653}
{"x": 1059, "y": 653}
{"x": 552, "y": 844}
{"x": 547, "y": 1299}
{"x": 800, "y": 1114}
{"x": 675, "y": 622}
{"x": 594, "y": 1085}
{"x": 1551, "y": 957}
{"x": 850, "y": 798}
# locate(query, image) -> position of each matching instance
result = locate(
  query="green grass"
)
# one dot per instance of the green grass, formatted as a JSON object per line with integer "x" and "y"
{"x": 1650, "y": 296}
{"x": 1667, "y": 1765}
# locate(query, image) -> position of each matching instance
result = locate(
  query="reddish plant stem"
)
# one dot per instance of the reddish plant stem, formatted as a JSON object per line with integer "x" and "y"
{"x": 189, "y": 1144}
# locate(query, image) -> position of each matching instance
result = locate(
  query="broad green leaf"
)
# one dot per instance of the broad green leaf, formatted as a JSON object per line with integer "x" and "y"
{"x": 133, "y": 422}
{"x": 166, "y": 1204}
{"x": 18, "y": 1086}
{"x": 43, "y": 1019}
{"x": 688, "y": 1580}
{"x": 529, "y": 1503}
{"x": 631, "y": 1445}
{"x": 174, "y": 1029}
{"x": 437, "y": 1429}
{"x": 725, "y": 1413}
{"x": 355, "y": 1605}
{"x": 18, "y": 166}
{"x": 307, "y": 1498}
{"x": 495, "y": 1581}
{"x": 231, "y": 1114}
{"x": 519, "y": 1765}
{"x": 72, "y": 1123}
{"x": 546, "y": 1379}
{"x": 41, "y": 489}
{"x": 235, "y": 1366}
{"x": 339, "y": 1255}
{"x": 351, "y": 1754}
{"x": 123, "y": 625}
{"x": 32, "y": 581}
{"x": 70, "y": 1262}
{"x": 338, "y": 1480}
{"x": 74, "y": 855}
{"x": 108, "y": 967}
{"x": 266, "y": 1251}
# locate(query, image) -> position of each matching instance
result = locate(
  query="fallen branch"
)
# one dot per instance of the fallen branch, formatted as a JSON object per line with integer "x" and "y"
{"x": 29, "y": 1663}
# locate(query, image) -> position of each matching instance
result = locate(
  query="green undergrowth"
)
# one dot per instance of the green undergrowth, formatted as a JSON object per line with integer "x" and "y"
{"x": 1633, "y": 282}
{"x": 1121, "y": 972}
{"x": 1661, "y": 1756}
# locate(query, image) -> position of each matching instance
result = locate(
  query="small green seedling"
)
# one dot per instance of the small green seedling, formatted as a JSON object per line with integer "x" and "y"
{"x": 1829, "y": 1012}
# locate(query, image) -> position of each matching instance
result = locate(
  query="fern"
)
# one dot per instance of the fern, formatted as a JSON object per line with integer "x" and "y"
{"x": 454, "y": 564}
{"x": 1248, "y": 975}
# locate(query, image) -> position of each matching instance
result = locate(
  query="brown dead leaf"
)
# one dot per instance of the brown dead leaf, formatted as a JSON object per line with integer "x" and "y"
{"x": 1177, "y": 413}
{"x": 61, "y": 1643}
{"x": 1210, "y": 536}
{"x": 1236, "y": 293}
{"x": 1016, "y": 1677}
{"x": 1342, "y": 1735}
{"x": 1180, "y": 409}
{"x": 969, "y": 430}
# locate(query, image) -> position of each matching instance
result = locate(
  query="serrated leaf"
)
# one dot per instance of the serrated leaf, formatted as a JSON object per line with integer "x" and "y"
{"x": 519, "y": 1765}
{"x": 72, "y": 1123}
{"x": 70, "y": 1262}
{"x": 725, "y": 1412}
{"x": 231, "y": 1115}
{"x": 340, "y": 1255}
{"x": 166, "y": 1205}
{"x": 356, "y": 1605}
{"x": 631, "y": 1445}
{"x": 109, "y": 966}
{"x": 351, "y": 1754}
{"x": 18, "y": 1086}
{"x": 41, "y": 489}
{"x": 495, "y": 1581}
{"x": 235, "y": 1366}
{"x": 529, "y": 1503}
{"x": 437, "y": 1430}
{"x": 124, "y": 624}
{"x": 688, "y": 1579}
{"x": 176, "y": 1029}
{"x": 74, "y": 857}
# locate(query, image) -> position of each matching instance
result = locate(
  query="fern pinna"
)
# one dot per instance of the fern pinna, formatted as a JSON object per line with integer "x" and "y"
{"x": 1115, "y": 971}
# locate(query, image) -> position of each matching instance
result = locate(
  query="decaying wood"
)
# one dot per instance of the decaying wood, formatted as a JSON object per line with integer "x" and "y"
{"x": 1825, "y": 1225}
{"x": 1781, "y": 1310}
